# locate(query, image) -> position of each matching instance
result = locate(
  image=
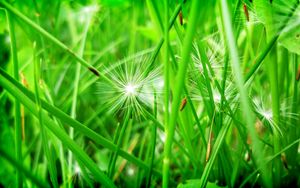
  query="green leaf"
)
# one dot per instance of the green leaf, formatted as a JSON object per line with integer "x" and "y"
{"x": 58, "y": 132}
{"x": 281, "y": 18}
{"x": 290, "y": 38}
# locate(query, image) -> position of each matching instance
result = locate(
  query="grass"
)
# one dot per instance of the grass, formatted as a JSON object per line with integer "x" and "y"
{"x": 18, "y": 131}
{"x": 182, "y": 93}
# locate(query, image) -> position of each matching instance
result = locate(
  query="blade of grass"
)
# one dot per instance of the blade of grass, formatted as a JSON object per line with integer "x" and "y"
{"x": 77, "y": 151}
{"x": 161, "y": 41}
{"x": 26, "y": 172}
{"x": 61, "y": 146}
{"x": 220, "y": 139}
{"x": 152, "y": 143}
{"x": 75, "y": 91}
{"x": 295, "y": 109}
{"x": 114, "y": 156}
{"x": 71, "y": 122}
{"x": 259, "y": 59}
{"x": 170, "y": 130}
{"x": 174, "y": 63}
{"x": 273, "y": 79}
{"x": 50, "y": 37}
{"x": 269, "y": 160}
{"x": 189, "y": 100}
{"x": 45, "y": 141}
{"x": 166, "y": 66}
{"x": 17, "y": 110}
{"x": 249, "y": 118}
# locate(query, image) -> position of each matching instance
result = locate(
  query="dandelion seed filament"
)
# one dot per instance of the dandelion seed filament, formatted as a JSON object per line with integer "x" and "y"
{"x": 130, "y": 90}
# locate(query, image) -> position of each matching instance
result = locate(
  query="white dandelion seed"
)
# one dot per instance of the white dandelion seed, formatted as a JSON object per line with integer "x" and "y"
{"x": 130, "y": 171}
{"x": 266, "y": 114}
{"x": 77, "y": 169}
{"x": 130, "y": 90}
{"x": 128, "y": 87}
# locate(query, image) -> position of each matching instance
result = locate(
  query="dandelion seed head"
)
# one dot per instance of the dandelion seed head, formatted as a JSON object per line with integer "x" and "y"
{"x": 267, "y": 114}
{"x": 130, "y": 171}
{"x": 7, "y": 40}
{"x": 217, "y": 97}
{"x": 263, "y": 109}
{"x": 77, "y": 169}
{"x": 130, "y": 89}
{"x": 86, "y": 13}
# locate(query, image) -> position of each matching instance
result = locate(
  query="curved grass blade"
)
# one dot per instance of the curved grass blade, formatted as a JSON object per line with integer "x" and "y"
{"x": 18, "y": 126}
{"x": 77, "y": 151}
{"x": 268, "y": 161}
{"x": 47, "y": 35}
{"x": 170, "y": 130}
{"x": 26, "y": 172}
{"x": 75, "y": 124}
{"x": 231, "y": 45}
{"x": 214, "y": 152}
{"x": 50, "y": 162}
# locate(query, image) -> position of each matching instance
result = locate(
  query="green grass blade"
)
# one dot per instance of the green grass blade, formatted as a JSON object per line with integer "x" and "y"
{"x": 18, "y": 126}
{"x": 75, "y": 91}
{"x": 249, "y": 118}
{"x": 75, "y": 124}
{"x": 26, "y": 172}
{"x": 270, "y": 160}
{"x": 49, "y": 36}
{"x": 113, "y": 160}
{"x": 45, "y": 140}
{"x": 166, "y": 66}
{"x": 77, "y": 151}
{"x": 219, "y": 141}
{"x": 187, "y": 47}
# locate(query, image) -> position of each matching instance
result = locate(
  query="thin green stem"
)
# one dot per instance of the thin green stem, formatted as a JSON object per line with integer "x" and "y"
{"x": 166, "y": 66}
{"x": 295, "y": 108}
{"x": 18, "y": 126}
{"x": 58, "y": 132}
{"x": 45, "y": 140}
{"x": 187, "y": 47}
{"x": 75, "y": 91}
{"x": 26, "y": 172}
{"x": 161, "y": 41}
{"x": 249, "y": 118}
{"x": 273, "y": 77}
{"x": 270, "y": 160}
{"x": 114, "y": 156}
{"x": 49, "y": 37}
{"x": 28, "y": 96}
{"x": 153, "y": 143}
